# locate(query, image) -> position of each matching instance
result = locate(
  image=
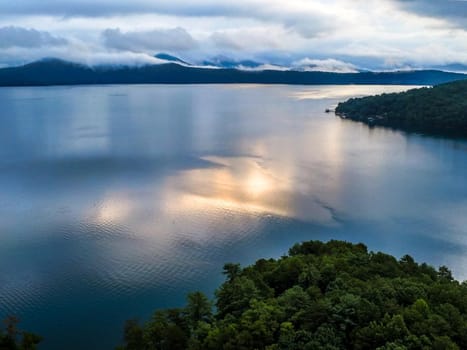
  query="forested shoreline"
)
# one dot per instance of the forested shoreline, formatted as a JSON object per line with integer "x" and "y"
{"x": 334, "y": 295}
{"x": 440, "y": 110}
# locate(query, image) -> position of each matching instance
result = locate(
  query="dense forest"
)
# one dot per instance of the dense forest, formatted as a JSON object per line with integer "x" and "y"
{"x": 441, "y": 110}
{"x": 330, "y": 296}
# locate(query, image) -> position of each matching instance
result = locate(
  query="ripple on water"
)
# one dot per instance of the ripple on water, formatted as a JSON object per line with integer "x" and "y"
{"x": 130, "y": 218}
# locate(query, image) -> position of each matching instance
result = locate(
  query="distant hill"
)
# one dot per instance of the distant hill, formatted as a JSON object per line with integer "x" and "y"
{"x": 58, "y": 72}
{"x": 441, "y": 110}
{"x": 170, "y": 58}
{"x": 226, "y": 62}
{"x": 453, "y": 67}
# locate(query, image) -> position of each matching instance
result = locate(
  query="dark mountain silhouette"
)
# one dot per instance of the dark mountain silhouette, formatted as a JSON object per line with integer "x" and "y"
{"x": 58, "y": 72}
{"x": 170, "y": 58}
{"x": 226, "y": 62}
{"x": 453, "y": 67}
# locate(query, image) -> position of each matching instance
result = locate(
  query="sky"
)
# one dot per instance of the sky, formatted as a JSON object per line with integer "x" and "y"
{"x": 331, "y": 35}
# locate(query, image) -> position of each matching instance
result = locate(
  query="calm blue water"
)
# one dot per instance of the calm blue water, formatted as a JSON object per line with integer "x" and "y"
{"x": 117, "y": 200}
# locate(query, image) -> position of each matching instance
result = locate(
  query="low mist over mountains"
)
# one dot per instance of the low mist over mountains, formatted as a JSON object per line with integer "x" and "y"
{"x": 173, "y": 70}
{"x": 304, "y": 64}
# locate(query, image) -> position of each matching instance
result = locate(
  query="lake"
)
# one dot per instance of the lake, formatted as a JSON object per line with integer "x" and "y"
{"x": 117, "y": 200}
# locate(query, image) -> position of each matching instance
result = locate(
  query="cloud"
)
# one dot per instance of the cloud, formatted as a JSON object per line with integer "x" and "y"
{"x": 309, "y": 18}
{"x": 113, "y": 58}
{"x": 29, "y": 38}
{"x": 372, "y": 34}
{"x": 451, "y": 11}
{"x": 266, "y": 66}
{"x": 224, "y": 40}
{"x": 98, "y": 8}
{"x": 252, "y": 39}
{"x": 75, "y": 50}
{"x": 78, "y": 54}
{"x": 175, "y": 39}
{"x": 324, "y": 65}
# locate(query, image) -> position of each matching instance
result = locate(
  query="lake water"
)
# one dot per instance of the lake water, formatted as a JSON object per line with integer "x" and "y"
{"x": 117, "y": 200}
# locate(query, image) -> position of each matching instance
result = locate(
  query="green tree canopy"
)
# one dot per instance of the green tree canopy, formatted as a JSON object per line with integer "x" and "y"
{"x": 332, "y": 296}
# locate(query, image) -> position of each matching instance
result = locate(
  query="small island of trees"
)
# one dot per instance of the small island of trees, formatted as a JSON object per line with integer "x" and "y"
{"x": 330, "y": 296}
{"x": 441, "y": 110}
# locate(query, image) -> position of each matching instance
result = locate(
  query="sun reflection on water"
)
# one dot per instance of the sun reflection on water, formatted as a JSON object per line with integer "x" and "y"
{"x": 238, "y": 183}
{"x": 346, "y": 91}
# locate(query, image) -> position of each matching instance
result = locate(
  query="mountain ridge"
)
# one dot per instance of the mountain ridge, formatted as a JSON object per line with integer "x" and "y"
{"x": 59, "y": 72}
{"x": 171, "y": 58}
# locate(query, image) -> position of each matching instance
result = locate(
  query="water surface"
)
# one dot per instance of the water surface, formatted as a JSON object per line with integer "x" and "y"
{"x": 116, "y": 200}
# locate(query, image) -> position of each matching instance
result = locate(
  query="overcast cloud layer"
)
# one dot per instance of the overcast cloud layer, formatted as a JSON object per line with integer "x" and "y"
{"x": 332, "y": 35}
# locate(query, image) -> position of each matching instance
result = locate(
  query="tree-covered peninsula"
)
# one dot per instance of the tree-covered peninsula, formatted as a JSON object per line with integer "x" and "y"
{"x": 334, "y": 295}
{"x": 440, "y": 110}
